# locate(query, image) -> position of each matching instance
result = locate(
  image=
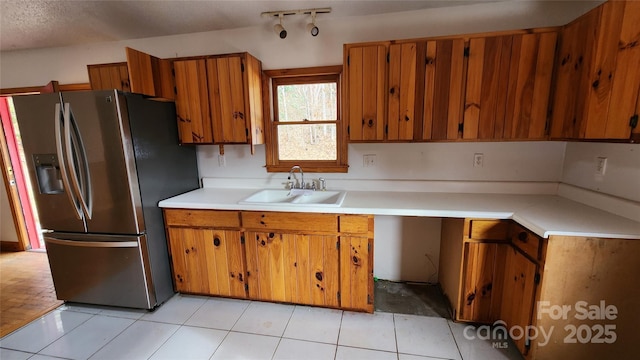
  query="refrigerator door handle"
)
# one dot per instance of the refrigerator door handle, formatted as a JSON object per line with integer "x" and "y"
{"x": 94, "y": 244}
{"x": 62, "y": 162}
{"x": 77, "y": 157}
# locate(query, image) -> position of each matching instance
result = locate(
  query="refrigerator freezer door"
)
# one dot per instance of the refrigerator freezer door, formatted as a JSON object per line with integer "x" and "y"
{"x": 37, "y": 118}
{"x": 103, "y": 124}
{"x": 100, "y": 270}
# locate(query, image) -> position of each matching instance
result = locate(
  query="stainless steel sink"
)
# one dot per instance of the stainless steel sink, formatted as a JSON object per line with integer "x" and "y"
{"x": 295, "y": 197}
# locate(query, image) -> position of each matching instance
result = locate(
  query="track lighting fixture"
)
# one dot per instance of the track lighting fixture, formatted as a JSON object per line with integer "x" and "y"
{"x": 279, "y": 29}
{"x": 312, "y": 28}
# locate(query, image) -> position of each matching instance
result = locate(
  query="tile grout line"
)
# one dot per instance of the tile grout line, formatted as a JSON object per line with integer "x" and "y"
{"x": 454, "y": 339}
{"x": 283, "y": 331}
{"x": 59, "y": 337}
{"x": 118, "y": 334}
{"x": 335, "y": 354}
{"x": 395, "y": 335}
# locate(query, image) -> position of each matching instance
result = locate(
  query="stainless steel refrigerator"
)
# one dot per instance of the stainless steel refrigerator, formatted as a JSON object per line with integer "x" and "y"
{"x": 99, "y": 162}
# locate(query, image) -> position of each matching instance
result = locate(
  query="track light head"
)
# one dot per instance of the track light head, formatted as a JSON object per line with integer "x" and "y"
{"x": 311, "y": 27}
{"x": 279, "y": 29}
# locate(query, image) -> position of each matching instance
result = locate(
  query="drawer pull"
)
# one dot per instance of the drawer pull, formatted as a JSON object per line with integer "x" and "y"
{"x": 319, "y": 276}
{"x": 522, "y": 236}
{"x": 216, "y": 241}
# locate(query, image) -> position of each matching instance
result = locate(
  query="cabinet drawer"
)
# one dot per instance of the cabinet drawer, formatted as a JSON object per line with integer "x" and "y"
{"x": 356, "y": 224}
{"x": 303, "y": 222}
{"x": 202, "y": 218}
{"x": 489, "y": 229}
{"x": 526, "y": 241}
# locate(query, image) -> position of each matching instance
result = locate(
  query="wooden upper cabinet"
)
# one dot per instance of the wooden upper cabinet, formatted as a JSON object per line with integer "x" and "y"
{"x": 401, "y": 104}
{"x": 598, "y": 74}
{"x": 235, "y": 98}
{"x": 366, "y": 70}
{"x": 149, "y": 75}
{"x": 192, "y": 102}
{"x": 109, "y": 76}
{"x": 443, "y": 89}
{"x": 507, "y": 87}
{"x": 219, "y": 99}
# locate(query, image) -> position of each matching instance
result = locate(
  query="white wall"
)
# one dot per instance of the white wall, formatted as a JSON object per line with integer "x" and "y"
{"x": 503, "y": 161}
{"x": 406, "y": 248}
{"x": 622, "y": 175}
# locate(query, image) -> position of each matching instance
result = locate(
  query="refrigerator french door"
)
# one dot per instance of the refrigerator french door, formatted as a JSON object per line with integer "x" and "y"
{"x": 101, "y": 161}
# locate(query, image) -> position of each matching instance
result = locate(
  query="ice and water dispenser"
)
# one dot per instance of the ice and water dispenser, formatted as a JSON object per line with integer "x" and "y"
{"x": 48, "y": 173}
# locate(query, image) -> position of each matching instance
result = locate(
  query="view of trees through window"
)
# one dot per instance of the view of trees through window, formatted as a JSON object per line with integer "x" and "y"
{"x": 311, "y": 111}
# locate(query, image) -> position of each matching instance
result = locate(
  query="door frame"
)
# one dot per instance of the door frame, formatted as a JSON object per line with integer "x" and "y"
{"x": 14, "y": 183}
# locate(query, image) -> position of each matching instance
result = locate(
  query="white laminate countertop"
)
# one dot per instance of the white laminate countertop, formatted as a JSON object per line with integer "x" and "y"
{"x": 545, "y": 215}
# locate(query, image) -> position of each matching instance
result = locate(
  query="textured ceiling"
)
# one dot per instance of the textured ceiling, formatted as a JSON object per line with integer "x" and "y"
{"x": 26, "y": 24}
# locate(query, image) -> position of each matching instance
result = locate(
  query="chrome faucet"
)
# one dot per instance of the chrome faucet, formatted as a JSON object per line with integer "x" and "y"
{"x": 291, "y": 173}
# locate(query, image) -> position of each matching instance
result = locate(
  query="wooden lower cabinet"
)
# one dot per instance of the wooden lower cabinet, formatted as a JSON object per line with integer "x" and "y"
{"x": 207, "y": 261}
{"x": 295, "y": 268}
{"x": 472, "y": 254}
{"x": 356, "y": 273}
{"x": 482, "y": 281}
{"x": 302, "y": 258}
{"x": 518, "y": 296}
{"x": 589, "y": 279}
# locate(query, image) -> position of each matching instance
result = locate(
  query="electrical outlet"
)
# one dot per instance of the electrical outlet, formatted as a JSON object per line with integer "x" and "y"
{"x": 369, "y": 160}
{"x": 222, "y": 162}
{"x": 478, "y": 160}
{"x": 601, "y": 166}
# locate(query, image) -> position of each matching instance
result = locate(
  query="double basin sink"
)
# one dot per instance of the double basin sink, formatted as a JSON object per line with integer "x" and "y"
{"x": 295, "y": 197}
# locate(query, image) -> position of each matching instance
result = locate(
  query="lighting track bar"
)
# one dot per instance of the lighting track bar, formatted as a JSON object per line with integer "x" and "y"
{"x": 296, "y": 12}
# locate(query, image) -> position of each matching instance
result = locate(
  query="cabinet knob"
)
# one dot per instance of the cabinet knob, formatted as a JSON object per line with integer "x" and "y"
{"x": 522, "y": 236}
{"x": 216, "y": 241}
{"x": 370, "y": 123}
{"x": 392, "y": 91}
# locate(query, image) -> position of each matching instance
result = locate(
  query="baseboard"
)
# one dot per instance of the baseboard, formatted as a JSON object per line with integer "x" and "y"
{"x": 10, "y": 246}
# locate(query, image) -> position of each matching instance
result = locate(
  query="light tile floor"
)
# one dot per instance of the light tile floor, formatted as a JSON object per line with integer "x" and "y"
{"x": 194, "y": 327}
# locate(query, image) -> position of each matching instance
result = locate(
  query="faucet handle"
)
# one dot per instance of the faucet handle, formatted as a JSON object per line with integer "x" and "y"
{"x": 323, "y": 184}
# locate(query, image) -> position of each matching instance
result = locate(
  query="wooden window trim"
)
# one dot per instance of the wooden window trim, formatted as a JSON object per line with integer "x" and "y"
{"x": 303, "y": 76}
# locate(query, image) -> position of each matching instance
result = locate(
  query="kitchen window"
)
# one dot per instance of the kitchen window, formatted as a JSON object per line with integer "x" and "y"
{"x": 305, "y": 126}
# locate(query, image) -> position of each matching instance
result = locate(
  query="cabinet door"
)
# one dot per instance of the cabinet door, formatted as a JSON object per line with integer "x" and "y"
{"x": 482, "y": 279}
{"x": 575, "y": 49}
{"x": 109, "y": 76}
{"x": 356, "y": 273}
{"x": 192, "y": 102}
{"x": 518, "y": 294}
{"x": 598, "y": 80}
{"x": 227, "y": 99}
{"x": 149, "y": 75}
{"x": 443, "y": 89}
{"x": 508, "y": 84}
{"x": 301, "y": 269}
{"x": 626, "y": 69}
{"x": 402, "y": 91}
{"x": 366, "y": 84}
{"x": 207, "y": 261}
